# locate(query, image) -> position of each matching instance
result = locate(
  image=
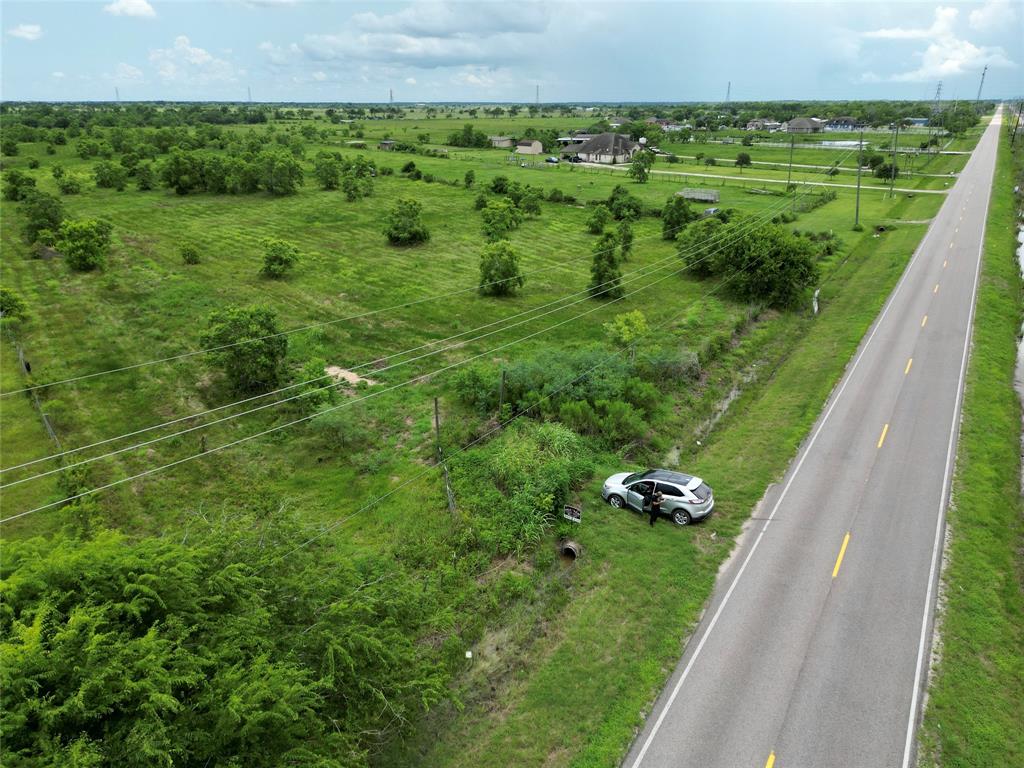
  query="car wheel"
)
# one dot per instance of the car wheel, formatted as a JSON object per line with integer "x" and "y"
{"x": 681, "y": 517}
{"x": 616, "y": 501}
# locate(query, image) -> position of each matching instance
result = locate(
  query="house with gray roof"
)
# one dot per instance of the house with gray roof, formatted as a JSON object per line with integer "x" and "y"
{"x": 607, "y": 148}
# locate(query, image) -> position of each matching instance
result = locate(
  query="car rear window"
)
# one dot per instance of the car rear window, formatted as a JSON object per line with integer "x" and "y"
{"x": 702, "y": 491}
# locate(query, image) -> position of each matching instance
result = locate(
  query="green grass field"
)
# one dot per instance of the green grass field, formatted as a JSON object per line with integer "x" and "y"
{"x": 589, "y": 631}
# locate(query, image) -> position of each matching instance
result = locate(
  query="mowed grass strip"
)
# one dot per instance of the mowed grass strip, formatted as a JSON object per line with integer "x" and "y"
{"x": 973, "y": 715}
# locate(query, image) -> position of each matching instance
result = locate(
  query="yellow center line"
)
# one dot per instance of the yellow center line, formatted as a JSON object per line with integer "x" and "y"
{"x": 771, "y": 761}
{"x": 906, "y": 370}
{"x": 936, "y": 290}
{"x": 956, "y": 230}
{"x": 944, "y": 263}
{"x": 950, "y": 244}
{"x": 924, "y": 320}
{"x": 842, "y": 551}
{"x": 885, "y": 431}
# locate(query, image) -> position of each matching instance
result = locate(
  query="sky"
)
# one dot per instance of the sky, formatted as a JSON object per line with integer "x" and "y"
{"x": 314, "y": 50}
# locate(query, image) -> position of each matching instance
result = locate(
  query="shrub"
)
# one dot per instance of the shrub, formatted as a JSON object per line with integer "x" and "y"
{"x": 499, "y": 185}
{"x": 110, "y": 176}
{"x": 189, "y": 254}
{"x": 556, "y": 196}
{"x": 279, "y": 257}
{"x": 500, "y": 217}
{"x": 33, "y": 163}
{"x": 676, "y": 214}
{"x": 12, "y": 305}
{"x": 499, "y": 270}
{"x": 42, "y": 211}
{"x": 17, "y": 185}
{"x": 598, "y": 220}
{"x": 404, "y": 225}
{"x": 469, "y": 179}
{"x": 84, "y": 243}
{"x": 623, "y": 205}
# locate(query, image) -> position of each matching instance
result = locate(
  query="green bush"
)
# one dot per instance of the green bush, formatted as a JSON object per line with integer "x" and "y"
{"x": 404, "y": 225}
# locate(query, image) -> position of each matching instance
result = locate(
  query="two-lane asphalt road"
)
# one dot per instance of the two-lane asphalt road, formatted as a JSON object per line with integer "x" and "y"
{"x": 813, "y": 649}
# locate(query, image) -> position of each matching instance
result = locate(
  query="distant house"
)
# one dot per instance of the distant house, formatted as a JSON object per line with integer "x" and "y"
{"x": 500, "y": 142}
{"x": 608, "y": 148}
{"x": 917, "y": 122}
{"x": 386, "y": 145}
{"x": 804, "y": 125}
{"x": 615, "y": 122}
{"x": 763, "y": 124}
{"x": 843, "y": 124}
{"x": 529, "y": 147}
{"x": 701, "y": 195}
{"x": 576, "y": 138}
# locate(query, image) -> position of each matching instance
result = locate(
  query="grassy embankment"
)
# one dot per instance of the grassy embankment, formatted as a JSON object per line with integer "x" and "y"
{"x": 973, "y": 715}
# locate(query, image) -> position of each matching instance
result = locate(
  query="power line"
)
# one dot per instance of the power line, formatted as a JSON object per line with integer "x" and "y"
{"x": 328, "y": 410}
{"x": 309, "y": 327}
{"x": 302, "y": 419}
{"x": 635, "y": 275}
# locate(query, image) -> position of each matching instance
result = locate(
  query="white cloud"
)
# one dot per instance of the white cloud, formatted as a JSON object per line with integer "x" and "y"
{"x": 946, "y": 54}
{"x": 191, "y": 65}
{"x": 992, "y": 15}
{"x": 942, "y": 25}
{"x": 277, "y": 54}
{"x": 951, "y": 56}
{"x": 437, "y": 34}
{"x": 26, "y": 31}
{"x": 410, "y": 81}
{"x": 139, "y": 8}
{"x": 319, "y": 76}
{"x": 126, "y": 74}
{"x": 57, "y": 75}
{"x": 443, "y": 19}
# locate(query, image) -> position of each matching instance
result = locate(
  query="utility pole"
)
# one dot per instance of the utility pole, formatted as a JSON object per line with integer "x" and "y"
{"x": 789, "y": 177}
{"x": 536, "y": 95}
{"x": 860, "y": 163}
{"x": 895, "y": 145}
{"x": 117, "y": 95}
{"x": 1016, "y": 125}
{"x": 728, "y": 91}
{"x": 391, "y": 96}
{"x": 249, "y": 88}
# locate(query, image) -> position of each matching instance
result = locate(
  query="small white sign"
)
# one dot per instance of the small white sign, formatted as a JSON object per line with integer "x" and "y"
{"x": 574, "y": 514}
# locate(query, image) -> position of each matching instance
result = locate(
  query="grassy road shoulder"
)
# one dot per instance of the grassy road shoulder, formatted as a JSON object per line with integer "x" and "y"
{"x": 973, "y": 713}
{"x": 638, "y": 593}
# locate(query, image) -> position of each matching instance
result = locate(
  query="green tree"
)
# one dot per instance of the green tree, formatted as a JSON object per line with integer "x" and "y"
{"x": 280, "y": 172}
{"x": 499, "y": 270}
{"x": 743, "y": 161}
{"x": 623, "y": 205}
{"x": 625, "y": 239}
{"x": 279, "y": 257}
{"x": 598, "y": 220}
{"x": 327, "y": 170}
{"x": 529, "y": 203}
{"x": 640, "y": 168}
{"x": 605, "y": 274}
{"x": 674, "y": 216}
{"x": 698, "y": 246}
{"x": 183, "y": 172}
{"x": 109, "y": 175}
{"x": 69, "y": 185}
{"x": 887, "y": 171}
{"x": 469, "y": 179}
{"x": 145, "y": 178}
{"x": 500, "y": 217}
{"x": 9, "y": 147}
{"x": 42, "y": 212}
{"x": 404, "y": 224}
{"x": 84, "y": 242}
{"x": 17, "y": 185}
{"x": 249, "y": 347}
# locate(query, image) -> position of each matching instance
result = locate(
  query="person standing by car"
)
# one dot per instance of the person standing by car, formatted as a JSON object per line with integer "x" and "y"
{"x": 655, "y": 512}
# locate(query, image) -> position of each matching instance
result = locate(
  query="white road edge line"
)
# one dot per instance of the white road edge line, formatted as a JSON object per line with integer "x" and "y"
{"x": 946, "y": 480}
{"x": 847, "y": 377}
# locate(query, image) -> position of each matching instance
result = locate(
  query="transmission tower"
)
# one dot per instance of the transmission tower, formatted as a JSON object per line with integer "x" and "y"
{"x": 536, "y": 95}
{"x": 977, "y": 99}
{"x": 936, "y": 109}
{"x": 728, "y": 91}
